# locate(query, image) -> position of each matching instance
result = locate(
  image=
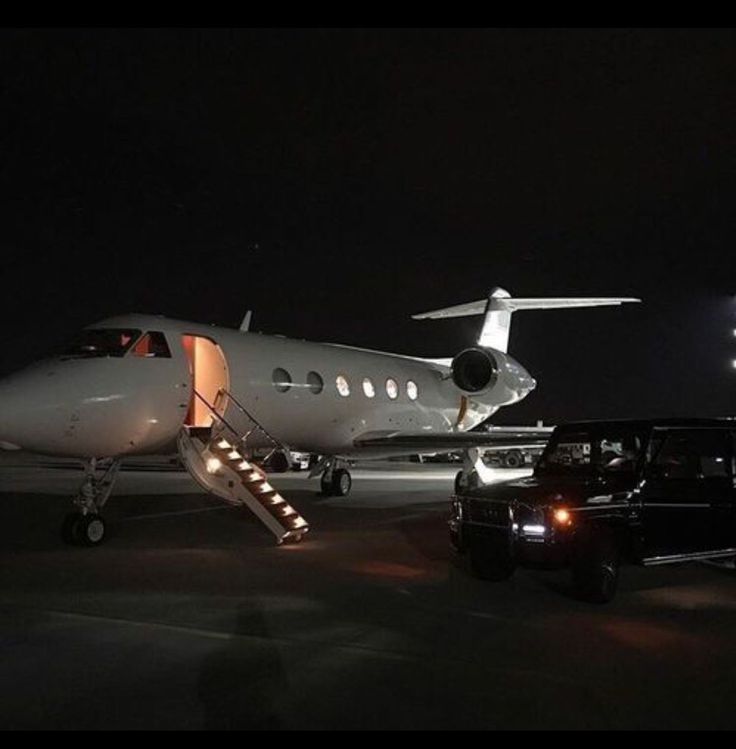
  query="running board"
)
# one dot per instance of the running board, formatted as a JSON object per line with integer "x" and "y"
{"x": 221, "y": 469}
{"x": 693, "y": 557}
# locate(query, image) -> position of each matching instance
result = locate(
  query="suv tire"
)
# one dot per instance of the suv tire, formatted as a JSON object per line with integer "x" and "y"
{"x": 595, "y": 565}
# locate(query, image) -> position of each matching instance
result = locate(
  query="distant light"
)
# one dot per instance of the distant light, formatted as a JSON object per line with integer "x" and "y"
{"x": 733, "y": 363}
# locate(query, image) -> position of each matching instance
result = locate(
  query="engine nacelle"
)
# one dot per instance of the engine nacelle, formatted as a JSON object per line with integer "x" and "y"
{"x": 475, "y": 370}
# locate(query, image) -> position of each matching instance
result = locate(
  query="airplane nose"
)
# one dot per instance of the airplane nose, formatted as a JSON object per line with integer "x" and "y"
{"x": 29, "y": 412}
{"x": 88, "y": 408}
{"x": 9, "y": 427}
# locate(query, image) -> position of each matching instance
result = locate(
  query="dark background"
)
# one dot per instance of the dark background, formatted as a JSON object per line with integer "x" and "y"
{"x": 338, "y": 181}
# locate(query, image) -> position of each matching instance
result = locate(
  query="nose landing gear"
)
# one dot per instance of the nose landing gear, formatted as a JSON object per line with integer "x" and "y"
{"x": 85, "y": 526}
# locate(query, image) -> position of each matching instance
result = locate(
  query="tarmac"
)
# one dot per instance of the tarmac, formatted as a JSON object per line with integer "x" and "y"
{"x": 189, "y": 617}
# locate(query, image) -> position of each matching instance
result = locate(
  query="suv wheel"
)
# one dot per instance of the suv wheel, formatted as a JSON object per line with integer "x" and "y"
{"x": 491, "y": 561}
{"x": 595, "y": 566}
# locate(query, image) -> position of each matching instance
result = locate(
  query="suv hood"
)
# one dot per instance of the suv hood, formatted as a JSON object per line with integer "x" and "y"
{"x": 544, "y": 490}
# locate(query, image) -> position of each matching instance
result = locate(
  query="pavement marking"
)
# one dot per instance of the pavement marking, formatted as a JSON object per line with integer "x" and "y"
{"x": 387, "y": 654}
{"x": 174, "y": 513}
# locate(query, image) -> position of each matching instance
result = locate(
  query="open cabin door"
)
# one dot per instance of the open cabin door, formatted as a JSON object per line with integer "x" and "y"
{"x": 210, "y": 378}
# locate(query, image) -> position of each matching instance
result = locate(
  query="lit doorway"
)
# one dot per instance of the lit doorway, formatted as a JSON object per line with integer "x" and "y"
{"x": 210, "y": 378}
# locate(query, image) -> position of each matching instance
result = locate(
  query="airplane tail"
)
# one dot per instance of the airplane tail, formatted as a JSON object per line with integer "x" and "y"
{"x": 500, "y": 305}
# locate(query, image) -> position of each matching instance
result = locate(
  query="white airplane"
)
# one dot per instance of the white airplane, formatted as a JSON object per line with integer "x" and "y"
{"x": 139, "y": 384}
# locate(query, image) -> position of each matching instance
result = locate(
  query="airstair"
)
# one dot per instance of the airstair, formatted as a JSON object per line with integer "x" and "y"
{"x": 216, "y": 458}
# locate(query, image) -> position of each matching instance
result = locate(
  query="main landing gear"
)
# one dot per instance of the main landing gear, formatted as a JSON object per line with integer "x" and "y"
{"x": 336, "y": 480}
{"x": 475, "y": 473}
{"x": 85, "y": 526}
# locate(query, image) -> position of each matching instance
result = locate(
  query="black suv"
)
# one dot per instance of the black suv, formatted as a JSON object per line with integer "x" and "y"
{"x": 602, "y": 493}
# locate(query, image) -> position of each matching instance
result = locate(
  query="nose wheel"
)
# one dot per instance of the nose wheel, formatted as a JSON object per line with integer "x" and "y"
{"x": 85, "y": 526}
{"x": 83, "y": 530}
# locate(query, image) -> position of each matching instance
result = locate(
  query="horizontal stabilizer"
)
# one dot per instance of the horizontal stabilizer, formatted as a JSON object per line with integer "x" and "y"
{"x": 500, "y": 305}
{"x": 517, "y": 304}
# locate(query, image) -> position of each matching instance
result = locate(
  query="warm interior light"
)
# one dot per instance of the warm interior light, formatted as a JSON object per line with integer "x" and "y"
{"x": 234, "y": 455}
{"x": 224, "y": 444}
{"x": 213, "y": 465}
{"x": 562, "y": 516}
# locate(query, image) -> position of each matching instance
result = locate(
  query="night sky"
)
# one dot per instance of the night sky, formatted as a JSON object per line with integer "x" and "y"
{"x": 338, "y": 181}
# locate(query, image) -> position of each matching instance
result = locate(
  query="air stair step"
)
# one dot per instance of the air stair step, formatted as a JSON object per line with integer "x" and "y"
{"x": 221, "y": 469}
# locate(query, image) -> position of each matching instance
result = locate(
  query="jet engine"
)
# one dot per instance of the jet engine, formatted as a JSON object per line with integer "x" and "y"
{"x": 475, "y": 370}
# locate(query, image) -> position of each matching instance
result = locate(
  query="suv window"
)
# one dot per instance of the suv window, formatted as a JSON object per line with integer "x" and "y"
{"x": 598, "y": 449}
{"x": 693, "y": 454}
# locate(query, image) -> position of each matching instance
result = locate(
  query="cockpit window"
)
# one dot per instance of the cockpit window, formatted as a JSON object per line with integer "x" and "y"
{"x": 102, "y": 342}
{"x": 152, "y": 345}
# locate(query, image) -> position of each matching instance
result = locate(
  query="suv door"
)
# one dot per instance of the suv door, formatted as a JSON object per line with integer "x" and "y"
{"x": 688, "y": 484}
{"x": 723, "y": 502}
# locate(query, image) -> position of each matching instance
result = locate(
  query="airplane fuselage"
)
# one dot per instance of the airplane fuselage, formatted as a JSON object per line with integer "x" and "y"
{"x": 316, "y": 397}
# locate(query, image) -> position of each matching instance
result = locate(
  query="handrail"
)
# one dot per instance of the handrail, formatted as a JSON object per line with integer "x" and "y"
{"x": 249, "y": 415}
{"x": 236, "y": 432}
{"x": 217, "y": 415}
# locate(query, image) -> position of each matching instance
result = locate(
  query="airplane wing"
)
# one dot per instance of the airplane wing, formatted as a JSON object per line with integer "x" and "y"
{"x": 498, "y": 437}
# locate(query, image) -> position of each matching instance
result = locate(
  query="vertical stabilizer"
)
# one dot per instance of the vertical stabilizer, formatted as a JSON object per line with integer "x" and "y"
{"x": 497, "y": 323}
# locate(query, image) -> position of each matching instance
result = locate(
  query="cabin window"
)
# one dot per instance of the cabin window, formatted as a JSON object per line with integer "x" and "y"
{"x": 368, "y": 388}
{"x": 343, "y": 386}
{"x": 281, "y": 380}
{"x": 392, "y": 388}
{"x": 412, "y": 390}
{"x": 315, "y": 383}
{"x": 98, "y": 342}
{"x": 152, "y": 345}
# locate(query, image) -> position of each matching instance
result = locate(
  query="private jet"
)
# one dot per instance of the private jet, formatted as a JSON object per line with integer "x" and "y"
{"x": 144, "y": 385}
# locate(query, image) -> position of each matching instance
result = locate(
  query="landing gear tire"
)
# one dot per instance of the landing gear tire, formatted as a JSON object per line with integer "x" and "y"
{"x": 70, "y": 528}
{"x": 325, "y": 485}
{"x": 514, "y": 459}
{"x": 491, "y": 561}
{"x": 595, "y": 566}
{"x": 464, "y": 482}
{"x": 342, "y": 482}
{"x": 83, "y": 530}
{"x": 278, "y": 463}
{"x": 91, "y": 530}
